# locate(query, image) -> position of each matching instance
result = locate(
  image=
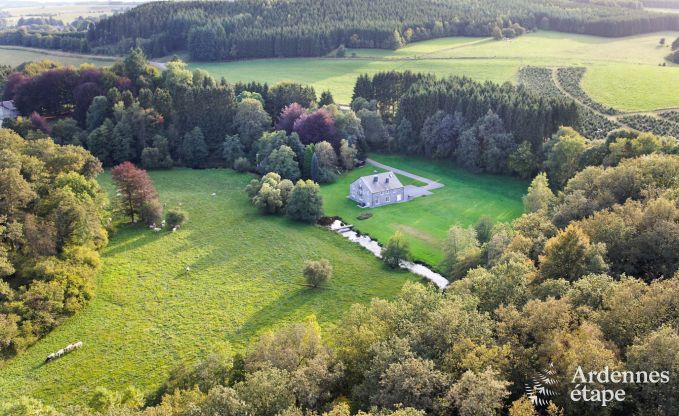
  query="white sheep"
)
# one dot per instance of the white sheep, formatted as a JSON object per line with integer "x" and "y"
{"x": 156, "y": 229}
{"x": 78, "y": 344}
{"x": 214, "y": 194}
{"x": 175, "y": 228}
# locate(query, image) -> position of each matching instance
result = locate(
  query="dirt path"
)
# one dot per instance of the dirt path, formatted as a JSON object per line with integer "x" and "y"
{"x": 430, "y": 184}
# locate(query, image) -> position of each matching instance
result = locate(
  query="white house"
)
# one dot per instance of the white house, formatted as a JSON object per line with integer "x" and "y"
{"x": 377, "y": 190}
{"x": 7, "y": 110}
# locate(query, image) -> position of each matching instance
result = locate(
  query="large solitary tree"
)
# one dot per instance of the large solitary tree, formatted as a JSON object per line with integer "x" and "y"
{"x": 135, "y": 190}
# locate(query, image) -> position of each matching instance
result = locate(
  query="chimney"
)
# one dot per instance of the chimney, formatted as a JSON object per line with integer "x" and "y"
{"x": 386, "y": 180}
{"x": 375, "y": 179}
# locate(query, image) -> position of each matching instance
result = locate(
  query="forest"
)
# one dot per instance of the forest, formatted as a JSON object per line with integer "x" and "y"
{"x": 226, "y": 30}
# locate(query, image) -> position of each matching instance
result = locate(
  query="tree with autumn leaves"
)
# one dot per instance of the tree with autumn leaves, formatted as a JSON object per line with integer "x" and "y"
{"x": 137, "y": 197}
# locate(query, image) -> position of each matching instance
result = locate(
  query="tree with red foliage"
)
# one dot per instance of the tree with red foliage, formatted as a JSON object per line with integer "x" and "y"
{"x": 136, "y": 192}
{"x": 14, "y": 81}
{"x": 287, "y": 118}
{"x": 50, "y": 93}
{"x": 317, "y": 127}
{"x": 40, "y": 123}
{"x": 83, "y": 95}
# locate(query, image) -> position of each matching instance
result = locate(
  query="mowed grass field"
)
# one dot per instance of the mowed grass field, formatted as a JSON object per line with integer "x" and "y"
{"x": 149, "y": 314}
{"x": 622, "y": 72}
{"x": 16, "y": 55}
{"x": 425, "y": 221}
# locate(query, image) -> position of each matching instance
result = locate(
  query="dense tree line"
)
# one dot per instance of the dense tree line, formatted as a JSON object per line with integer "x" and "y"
{"x": 51, "y": 227}
{"x": 132, "y": 112}
{"x": 67, "y": 41}
{"x": 257, "y": 29}
{"x": 486, "y": 127}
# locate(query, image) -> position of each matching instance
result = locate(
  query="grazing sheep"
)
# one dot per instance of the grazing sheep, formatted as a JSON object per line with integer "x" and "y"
{"x": 63, "y": 351}
{"x": 214, "y": 194}
{"x": 156, "y": 229}
{"x": 175, "y": 228}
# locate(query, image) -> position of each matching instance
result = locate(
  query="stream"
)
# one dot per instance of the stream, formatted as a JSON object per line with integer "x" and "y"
{"x": 374, "y": 247}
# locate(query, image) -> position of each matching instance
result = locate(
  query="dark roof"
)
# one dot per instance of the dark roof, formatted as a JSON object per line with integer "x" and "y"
{"x": 380, "y": 182}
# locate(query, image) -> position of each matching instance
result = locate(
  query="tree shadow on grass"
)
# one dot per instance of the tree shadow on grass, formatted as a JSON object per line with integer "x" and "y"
{"x": 277, "y": 313}
{"x": 131, "y": 238}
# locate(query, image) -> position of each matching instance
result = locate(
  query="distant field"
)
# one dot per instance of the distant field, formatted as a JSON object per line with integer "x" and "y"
{"x": 425, "y": 221}
{"x": 149, "y": 313}
{"x": 11, "y": 55}
{"x": 623, "y": 72}
{"x": 339, "y": 75}
{"x": 65, "y": 12}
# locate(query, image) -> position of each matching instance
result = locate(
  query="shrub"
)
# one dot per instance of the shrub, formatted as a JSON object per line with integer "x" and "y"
{"x": 151, "y": 212}
{"x": 242, "y": 165}
{"x": 396, "y": 250}
{"x": 364, "y": 215}
{"x": 317, "y": 272}
{"x": 175, "y": 218}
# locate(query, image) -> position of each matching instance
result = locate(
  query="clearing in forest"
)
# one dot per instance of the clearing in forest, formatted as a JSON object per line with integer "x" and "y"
{"x": 149, "y": 313}
{"x": 464, "y": 198}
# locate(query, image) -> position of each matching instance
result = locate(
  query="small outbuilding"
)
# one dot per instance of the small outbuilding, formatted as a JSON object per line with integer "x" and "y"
{"x": 377, "y": 190}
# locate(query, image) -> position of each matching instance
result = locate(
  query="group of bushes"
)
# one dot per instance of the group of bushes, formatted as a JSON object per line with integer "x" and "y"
{"x": 301, "y": 201}
{"x": 656, "y": 125}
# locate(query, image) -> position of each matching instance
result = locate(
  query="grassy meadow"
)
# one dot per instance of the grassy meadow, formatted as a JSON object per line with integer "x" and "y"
{"x": 622, "y": 72}
{"x": 149, "y": 313}
{"x": 425, "y": 220}
{"x": 16, "y": 55}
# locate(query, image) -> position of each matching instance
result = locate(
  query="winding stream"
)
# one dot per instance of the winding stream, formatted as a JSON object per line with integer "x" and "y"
{"x": 374, "y": 247}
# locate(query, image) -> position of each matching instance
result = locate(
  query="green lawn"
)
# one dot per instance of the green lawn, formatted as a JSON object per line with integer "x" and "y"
{"x": 425, "y": 220}
{"x": 622, "y": 72}
{"x": 339, "y": 75}
{"x": 15, "y": 55}
{"x": 149, "y": 313}
{"x": 633, "y": 87}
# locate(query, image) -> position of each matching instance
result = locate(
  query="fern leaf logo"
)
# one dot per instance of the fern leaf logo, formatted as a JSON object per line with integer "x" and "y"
{"x": 541, "y": 388}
